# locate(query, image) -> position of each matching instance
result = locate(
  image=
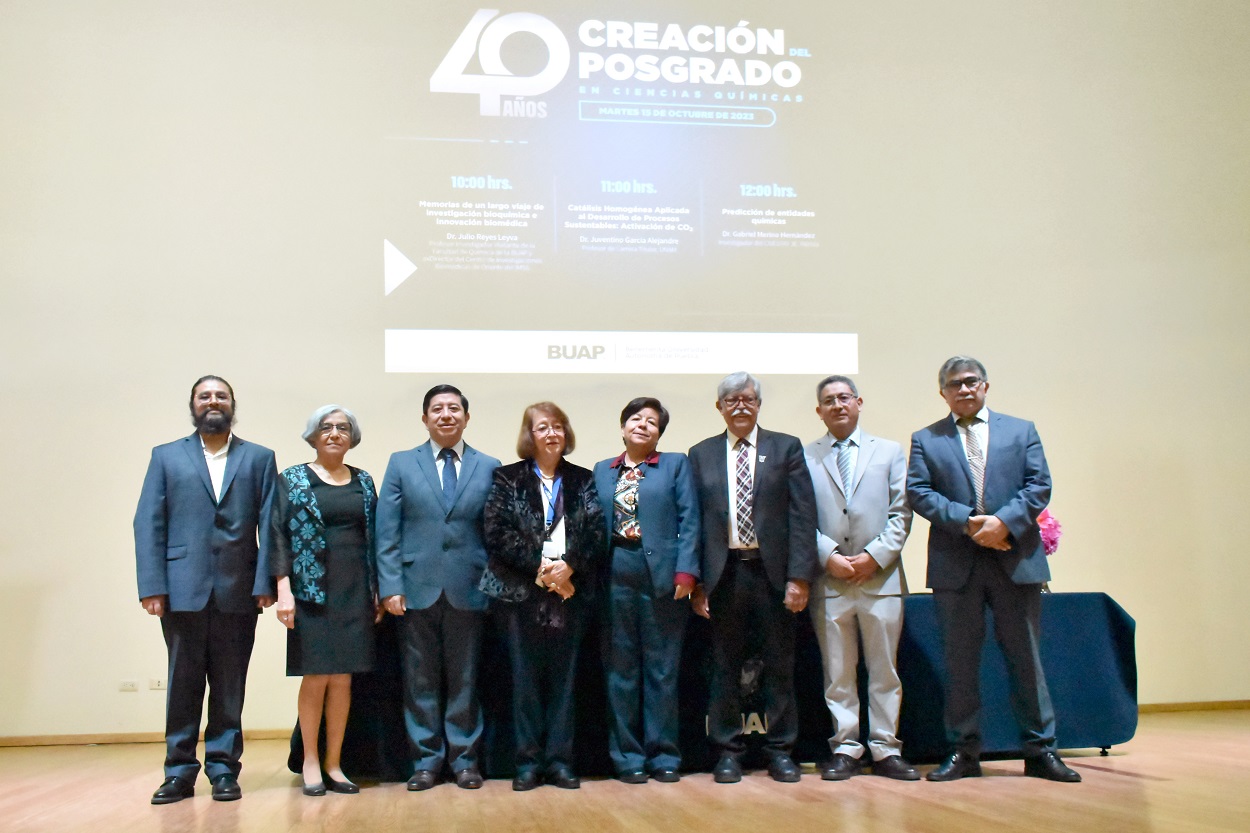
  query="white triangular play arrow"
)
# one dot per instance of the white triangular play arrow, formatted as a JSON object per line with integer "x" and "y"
{"x": 396, "y": 268}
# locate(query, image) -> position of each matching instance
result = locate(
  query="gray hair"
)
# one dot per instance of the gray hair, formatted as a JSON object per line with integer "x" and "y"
{"x": 314, "y": 423}
{"x": 829, "y": 380}
{"x": 959, "y": 363}
{"x": 736, "y": 382}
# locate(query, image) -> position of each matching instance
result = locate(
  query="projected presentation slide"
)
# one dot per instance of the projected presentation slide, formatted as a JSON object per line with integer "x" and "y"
{"x": 562, "y": 166}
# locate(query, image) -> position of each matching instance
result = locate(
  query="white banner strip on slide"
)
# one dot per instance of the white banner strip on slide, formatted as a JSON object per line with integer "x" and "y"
{"x": 589, "y": 351}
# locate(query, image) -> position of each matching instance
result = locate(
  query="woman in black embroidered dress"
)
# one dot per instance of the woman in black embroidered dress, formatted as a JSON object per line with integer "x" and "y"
{"x": 547, "y": 539}
{"x": 325, "y": 564}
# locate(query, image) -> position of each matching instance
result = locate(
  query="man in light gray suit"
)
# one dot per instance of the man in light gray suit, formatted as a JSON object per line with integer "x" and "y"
{"x": 862, "y": 522}
{"x": 430, "y": 559}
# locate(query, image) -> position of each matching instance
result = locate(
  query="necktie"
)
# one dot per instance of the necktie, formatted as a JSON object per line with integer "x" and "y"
{"x": 449, "y": 476}
{"x": 844, "y": 465}
{"x": 976, "y": 461}
{"x": 742, "y": 473}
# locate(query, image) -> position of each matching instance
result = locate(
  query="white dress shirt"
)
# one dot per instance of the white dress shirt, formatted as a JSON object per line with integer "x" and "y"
{"x": 731, "y": 458}
{"x": 217, "y": 465}
{"x": 439, "y": 462}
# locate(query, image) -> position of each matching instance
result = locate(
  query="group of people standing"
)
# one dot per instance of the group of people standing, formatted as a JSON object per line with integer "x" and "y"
{"x": 745, "y": 531}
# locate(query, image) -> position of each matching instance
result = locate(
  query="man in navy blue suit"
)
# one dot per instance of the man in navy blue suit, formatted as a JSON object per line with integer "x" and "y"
{"x": 202, "y": 557}
{"x": 980, "y": 478}
{"x": 430, "y": 560}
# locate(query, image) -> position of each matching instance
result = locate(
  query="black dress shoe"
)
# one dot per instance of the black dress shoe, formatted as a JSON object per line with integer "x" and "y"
{"x": 958, "y": 765}
{"x": 422, "y": 779}
{"x": 563, "y": 778}
{"x": 839, "y": 768}
{"x": 526, "y": 779}
{"x": 632, "y": 776}
{"x": 895, "y": 767}
{"x": 727, "y": 771}
{"x": 666, "y": 775}
{"x": 226, "y": 788}
{"x": 315, "y": 790}
{"x": 469, "y": 779}
{"x": 1048, "y": 765}
{"x": 344, "y": 787}
{"x": 783, "y": 768}
{"x": 173, "y": 789}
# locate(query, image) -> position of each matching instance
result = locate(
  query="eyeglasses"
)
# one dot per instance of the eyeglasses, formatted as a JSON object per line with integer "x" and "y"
{"x": 328, "y": 428}
{"x": 543, "y": 429}
{"x": 971, "y": 382}
{"x": 841, "y": 399}
{"x": 749, "y": 401}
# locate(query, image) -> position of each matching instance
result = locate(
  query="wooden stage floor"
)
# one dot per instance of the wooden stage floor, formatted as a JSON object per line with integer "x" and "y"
{"x": 1185, "y": 772}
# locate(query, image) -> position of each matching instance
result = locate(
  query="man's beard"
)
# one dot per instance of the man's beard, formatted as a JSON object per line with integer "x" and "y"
{"x": 213, "y": 422}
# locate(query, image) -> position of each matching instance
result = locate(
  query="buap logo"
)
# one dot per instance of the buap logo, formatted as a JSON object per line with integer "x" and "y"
{"x": 485, "y": 35}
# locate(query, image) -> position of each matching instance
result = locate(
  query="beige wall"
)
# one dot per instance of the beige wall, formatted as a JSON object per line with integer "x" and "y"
{"x": 1060, "y": 188}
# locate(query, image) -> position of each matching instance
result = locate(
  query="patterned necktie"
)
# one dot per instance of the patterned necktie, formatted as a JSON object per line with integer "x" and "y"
{"x": 976, "y": 460}
{"x": 742, "y": 473}
{"x": 844, "y": 465}
{"x": 625, "y": 504}
{"x": 449, "y": 476}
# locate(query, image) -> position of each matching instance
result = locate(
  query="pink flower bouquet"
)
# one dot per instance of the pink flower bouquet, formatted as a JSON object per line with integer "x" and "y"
{"x": 1051, "y": 531}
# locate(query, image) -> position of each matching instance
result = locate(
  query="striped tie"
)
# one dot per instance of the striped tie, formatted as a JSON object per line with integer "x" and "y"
{"x": 742, "y": 473}
{"x": 976, "y": 460}
{"x": 844, "y": 464}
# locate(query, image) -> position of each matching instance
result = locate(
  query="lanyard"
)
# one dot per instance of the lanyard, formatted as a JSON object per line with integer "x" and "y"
{"x": 551, "y": 496}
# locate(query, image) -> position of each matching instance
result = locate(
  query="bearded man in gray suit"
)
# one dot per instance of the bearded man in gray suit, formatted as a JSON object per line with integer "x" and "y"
{"x": 202, "y": 547}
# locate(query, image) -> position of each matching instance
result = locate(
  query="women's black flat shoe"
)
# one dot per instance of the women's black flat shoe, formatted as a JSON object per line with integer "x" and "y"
{"x": 344, "y": 787}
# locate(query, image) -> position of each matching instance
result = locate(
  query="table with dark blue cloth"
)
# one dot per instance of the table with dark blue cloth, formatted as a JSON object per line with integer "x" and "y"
{"x": 1087, "y": 650}
{"x": 1091, "y": 669}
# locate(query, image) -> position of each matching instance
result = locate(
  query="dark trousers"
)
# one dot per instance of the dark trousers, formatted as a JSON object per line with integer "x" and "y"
{"x": 544, "y": 669}
{"x": 642, "y": 639}
{"x": 207, "y": 648}
{"x": 744, "y": 602}
{"x": 1017, "y": 627}
{"x": 441, "y": 651}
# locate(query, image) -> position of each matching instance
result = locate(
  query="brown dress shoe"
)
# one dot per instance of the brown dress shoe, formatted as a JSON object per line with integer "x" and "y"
{"x": 839, "y": 768}
{"x": 895, "y": 767}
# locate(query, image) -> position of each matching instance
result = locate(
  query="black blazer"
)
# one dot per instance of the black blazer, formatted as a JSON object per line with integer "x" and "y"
{"x": 784, "y": 511}
{"x": 515, "y": 527}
